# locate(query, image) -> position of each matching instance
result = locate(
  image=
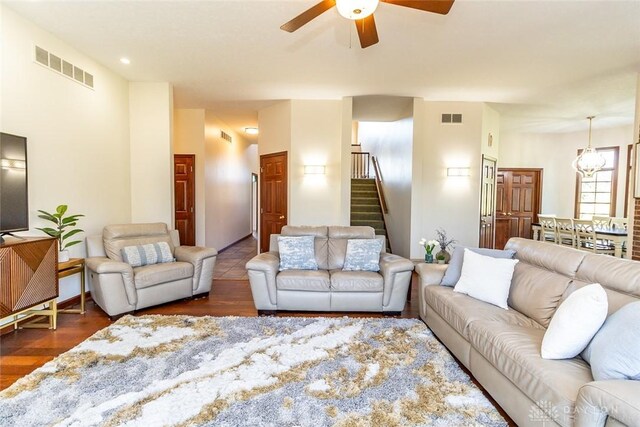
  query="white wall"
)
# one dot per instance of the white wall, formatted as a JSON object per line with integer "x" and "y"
{"x": 78, "y": 138}
{"x": 188, "y": 138}
{"x": 316, "y": 139}
{"x": 438, "y": 201}
{"x": 151, "y": 146}
{"x": 392, "y": 144}
{"x": 228, "y": 168}
{"x": 554, "y": 153}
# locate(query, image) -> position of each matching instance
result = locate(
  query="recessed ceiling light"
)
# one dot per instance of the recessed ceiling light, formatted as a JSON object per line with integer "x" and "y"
{"x": 125, "y": 60}
{"x": 251, "y": 131}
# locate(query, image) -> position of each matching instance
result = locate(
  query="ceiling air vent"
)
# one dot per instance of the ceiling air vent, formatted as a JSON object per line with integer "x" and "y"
{"x": 451, "y": 118}
{"x": 225, "y": 136}
{"x": 59, "y": 65}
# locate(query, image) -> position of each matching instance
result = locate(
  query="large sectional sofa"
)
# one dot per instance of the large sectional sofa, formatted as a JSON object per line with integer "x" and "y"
{"x": 501, "y": 348}
{"x": 329, "y": 288}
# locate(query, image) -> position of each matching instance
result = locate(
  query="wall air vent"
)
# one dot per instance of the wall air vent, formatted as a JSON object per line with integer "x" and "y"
{"x": 59, "y": 65}
{"x": 226, "y": 136}
{"x": 451, "y": 118}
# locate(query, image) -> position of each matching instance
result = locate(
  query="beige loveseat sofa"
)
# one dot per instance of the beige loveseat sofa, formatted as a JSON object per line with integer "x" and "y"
{"x": 119, "y": 288}
{"x": 501, "y": 347}
{"x": 329, "y": 288}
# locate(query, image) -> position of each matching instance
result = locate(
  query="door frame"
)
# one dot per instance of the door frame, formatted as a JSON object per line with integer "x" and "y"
{"x": 493, "y": 208}
{"x": 261, "y": 244}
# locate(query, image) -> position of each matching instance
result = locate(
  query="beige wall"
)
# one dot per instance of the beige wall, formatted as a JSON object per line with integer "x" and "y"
{"x": 228, "y": 168}
{"x": 554, "y": 153}
{"x": 151, "y": 147}
{"x": 78, "y": 138}
{"x": 392, "y": 144}
{"x": 188, "y": 138}
{"x": 452, "y": 203}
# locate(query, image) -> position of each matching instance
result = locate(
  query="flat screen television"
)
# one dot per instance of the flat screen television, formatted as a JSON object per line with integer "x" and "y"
{"x": 14, "y": 199}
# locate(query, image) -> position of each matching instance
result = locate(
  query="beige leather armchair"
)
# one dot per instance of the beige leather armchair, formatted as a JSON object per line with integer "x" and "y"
{"x": 119, "y": 288}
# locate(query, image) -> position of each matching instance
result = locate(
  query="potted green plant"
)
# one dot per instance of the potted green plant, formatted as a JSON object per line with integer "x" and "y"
{"x": 63, "y": 229}
{"x": 444, "y": 242}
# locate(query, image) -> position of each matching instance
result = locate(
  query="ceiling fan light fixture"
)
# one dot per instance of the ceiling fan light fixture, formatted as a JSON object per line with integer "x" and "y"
{"x": 356, "y": 9}
{"x": 589, "y": 161}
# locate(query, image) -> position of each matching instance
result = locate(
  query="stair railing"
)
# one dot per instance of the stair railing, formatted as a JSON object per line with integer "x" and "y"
{"x": 360, "y": 165}
{"x": 378, "y": 176}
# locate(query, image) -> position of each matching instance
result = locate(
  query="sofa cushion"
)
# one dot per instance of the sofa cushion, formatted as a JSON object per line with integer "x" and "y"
{"x": 356, "y": 281}
{"x": 303, "y": 280}
{"x": 363, "y": 255}
{"x": 320, "y": 243}
{"x": 155, "y": 274}
{"x": 151, "y": 253}
{"x": 537, "y": 292}
{"x": 117, "y": 236}
{"x": 452, "y": 275}
{"x": 613, "y": 352}
{"x": 485, "y": 278}
{"x": 460, "y": 310}
{"x": 297, "y": 253}
{"x": 515, "y": 352}
{"x": 337, "y": 244}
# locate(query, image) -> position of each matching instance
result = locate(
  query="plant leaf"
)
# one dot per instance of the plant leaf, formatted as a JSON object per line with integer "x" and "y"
{"x": 47, "y": 216}
{"x": 72, "y": 218}
{"x": 50, "y": 231}
{"x": 75, "y": 242}
{"x": 71, "y": 233}
{"x": 61, "y": 209}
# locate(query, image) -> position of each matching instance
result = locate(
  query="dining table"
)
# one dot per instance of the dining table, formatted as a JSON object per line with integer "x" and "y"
{"x": 617, "y": 236}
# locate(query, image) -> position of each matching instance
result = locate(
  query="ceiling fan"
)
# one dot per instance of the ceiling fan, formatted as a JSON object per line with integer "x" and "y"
{"x": 361, "y": 12}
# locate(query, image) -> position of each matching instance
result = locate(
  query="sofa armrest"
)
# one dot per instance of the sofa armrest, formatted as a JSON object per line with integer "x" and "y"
{"x": 108, "y": 267}
{"x": 262, "y": 270}
{"x": 599, "y": 400}
{"x": 431, "y": 274}
{"x": 396, "y": 272}
{"x": 203, "y": 260}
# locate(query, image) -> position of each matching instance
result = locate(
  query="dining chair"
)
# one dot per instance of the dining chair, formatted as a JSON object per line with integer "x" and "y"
{"x": 601, "y": 221}
{"x": 548, "y": 228}
{"x": 565, "y": 234}
{"x": 586, "y": 239}
{"x": 619, "y": 223}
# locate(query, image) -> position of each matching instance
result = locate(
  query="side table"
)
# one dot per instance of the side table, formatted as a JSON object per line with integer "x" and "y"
{"x": 67, "y": 268}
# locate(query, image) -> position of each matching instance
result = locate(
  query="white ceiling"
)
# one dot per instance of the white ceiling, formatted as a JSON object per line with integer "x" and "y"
{"x": 545, "y": 65}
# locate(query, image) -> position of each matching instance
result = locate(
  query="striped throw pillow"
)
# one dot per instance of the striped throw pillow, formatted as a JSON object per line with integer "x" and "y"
{"x": 153, "y": 253}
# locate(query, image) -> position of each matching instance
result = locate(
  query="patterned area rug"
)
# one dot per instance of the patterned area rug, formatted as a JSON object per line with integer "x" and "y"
{"x": 231, "y": 371}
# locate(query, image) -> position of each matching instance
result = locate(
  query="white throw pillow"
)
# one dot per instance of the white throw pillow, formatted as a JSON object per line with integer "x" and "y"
{"x": 486, "y": 278}
{"x": 575, "y": 323}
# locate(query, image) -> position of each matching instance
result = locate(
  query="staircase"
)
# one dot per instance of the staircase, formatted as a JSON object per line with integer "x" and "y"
{"x": 365, "y": 206}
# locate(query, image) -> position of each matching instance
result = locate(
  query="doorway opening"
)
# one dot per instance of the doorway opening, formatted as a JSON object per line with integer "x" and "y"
{"x": 254, "y": 205}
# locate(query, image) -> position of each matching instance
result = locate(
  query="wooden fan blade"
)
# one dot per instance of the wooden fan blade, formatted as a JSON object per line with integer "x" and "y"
{"x": 367, "y": 31}
{"x": 436, "y": 6}
{"x": 308, "y": 15}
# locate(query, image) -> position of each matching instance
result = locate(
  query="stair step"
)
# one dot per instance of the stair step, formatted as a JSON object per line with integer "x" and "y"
{"x": 364, "y": 194}
{"x": 364, "y": 201}
{"x": 366, "y": 216}
{"x": 362, "y": 180}
{"x": 381, "y": 232}
{"x": 375, "y": 224}
{"x": 365, "y": 208}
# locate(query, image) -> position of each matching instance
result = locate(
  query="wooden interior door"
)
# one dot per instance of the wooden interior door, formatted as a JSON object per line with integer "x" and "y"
{"x": 185, "y": 197}
{"x": 273, "y": 196}
{"x": 518, "y": 201}
{"x": 487, "y": 203}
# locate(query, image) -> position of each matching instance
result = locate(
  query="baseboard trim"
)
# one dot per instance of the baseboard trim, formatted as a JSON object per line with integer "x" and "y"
{"x": 237, "y": 241}
{"x": 61, "y": 305}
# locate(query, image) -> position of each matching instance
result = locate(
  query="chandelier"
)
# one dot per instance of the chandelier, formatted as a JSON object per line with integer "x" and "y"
{"x": 589, "y": 161}
{"x": 356, "y": 9}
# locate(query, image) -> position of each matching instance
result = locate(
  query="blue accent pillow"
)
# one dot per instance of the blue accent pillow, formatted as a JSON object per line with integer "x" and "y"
{"x": 452, "y": 275}
{"x": 152, "y": 253}
{"x": 363, "y": 255}
{"x": 613, "y": 351}
{"x": 297, "y": 253}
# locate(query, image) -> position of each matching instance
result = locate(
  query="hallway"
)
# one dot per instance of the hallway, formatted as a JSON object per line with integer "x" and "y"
{"x": 231, "y": 261}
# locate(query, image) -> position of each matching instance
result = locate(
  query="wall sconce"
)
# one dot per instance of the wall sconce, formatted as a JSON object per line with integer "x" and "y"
{"x": 458, "y": 171}
{"x": 314, "y": 169}
{"x": 251, "y": 131}
{"x": 12, "y": 164}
